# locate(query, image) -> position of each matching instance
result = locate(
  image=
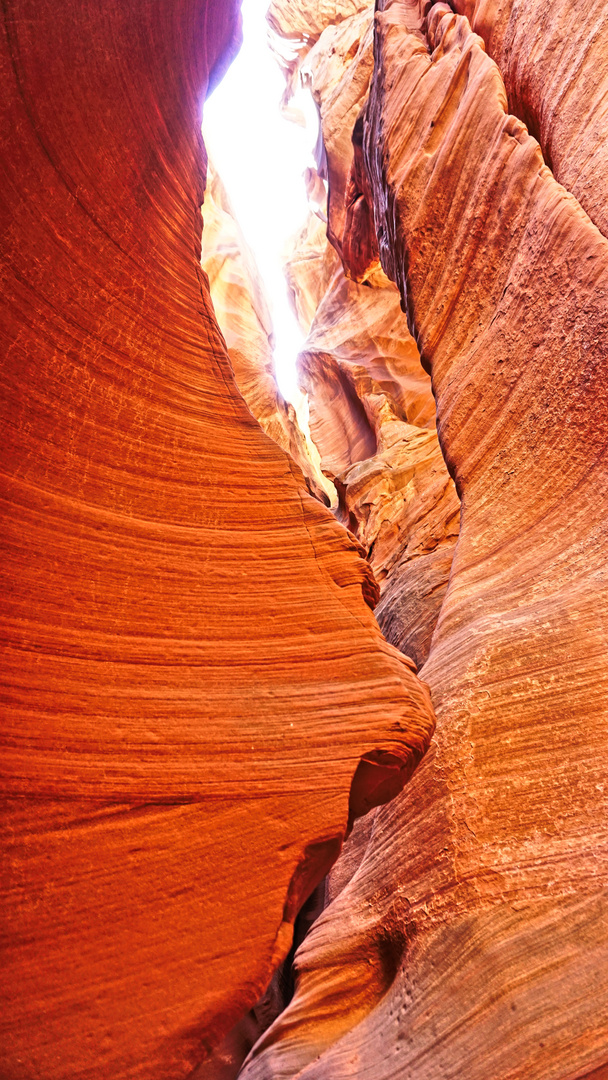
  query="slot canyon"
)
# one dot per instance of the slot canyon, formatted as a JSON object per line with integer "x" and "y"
{"x": 305, "y": 704}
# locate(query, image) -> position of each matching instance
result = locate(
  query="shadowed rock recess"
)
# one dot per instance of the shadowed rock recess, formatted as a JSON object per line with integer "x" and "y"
{"x": 197, "y": 700}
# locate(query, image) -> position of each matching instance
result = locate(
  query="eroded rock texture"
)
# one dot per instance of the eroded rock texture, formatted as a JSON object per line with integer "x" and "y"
{"x": 303, "y": 21}
{"x": 372, "y": 417}
{"x": 472, "y": 940}
{"x": 554, "y": 62}
{"x": 191, "y": 674}
{"x": 372, "y": 413}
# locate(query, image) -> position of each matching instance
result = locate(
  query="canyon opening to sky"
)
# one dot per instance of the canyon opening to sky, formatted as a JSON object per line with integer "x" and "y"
{"x": 261, "y": 153}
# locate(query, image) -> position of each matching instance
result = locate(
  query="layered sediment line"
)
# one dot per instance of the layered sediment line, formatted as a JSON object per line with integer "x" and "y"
{"x": 489, "y": 875}
{"x": 554, "y": 62}
{"x": 191, "y": 672}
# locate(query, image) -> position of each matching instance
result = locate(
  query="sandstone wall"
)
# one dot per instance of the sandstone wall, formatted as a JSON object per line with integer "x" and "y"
{"x": 191, "y": 674}
{"x": 471, "y": 940}
{"x": 243, "y": 315}
{"x": 372, "y": 414}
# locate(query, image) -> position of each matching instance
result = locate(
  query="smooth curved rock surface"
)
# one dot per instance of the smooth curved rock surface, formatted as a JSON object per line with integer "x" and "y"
{"x": 472, "y": 940}
{"x": 554, "y": 62}
{"x": 191, "y": 674}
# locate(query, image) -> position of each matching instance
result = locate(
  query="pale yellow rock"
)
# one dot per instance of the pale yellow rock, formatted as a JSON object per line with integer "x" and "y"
{"x": 309, "y": 268}
{"x": 308, "y": 18}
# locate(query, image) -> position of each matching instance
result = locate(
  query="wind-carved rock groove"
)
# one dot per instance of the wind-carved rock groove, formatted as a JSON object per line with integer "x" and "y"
{"x": 554, "y": 62}
{"x": 490, "y": 872}
{"x": 191, "y": 673}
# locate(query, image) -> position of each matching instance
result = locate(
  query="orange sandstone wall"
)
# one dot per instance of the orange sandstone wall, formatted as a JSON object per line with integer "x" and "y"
{"x": 554, "y": 62}
{"x": 472, "y": 940}
{"x": 372, "y": 413}
{"x": 191, "y": 674}
{"x": 242, "y": 312}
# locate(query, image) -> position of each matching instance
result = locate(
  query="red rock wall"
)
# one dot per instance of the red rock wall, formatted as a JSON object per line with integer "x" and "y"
{"x": 372, "y": 413}
{"x": 554, "y": 62}
{"x": 372, "y": 416}
{"x": 191, "y": 674}
{"x": 472, "y": 940}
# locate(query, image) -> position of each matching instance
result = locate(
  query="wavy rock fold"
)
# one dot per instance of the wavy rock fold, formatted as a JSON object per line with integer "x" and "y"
{"x": 472, "y": 939}
{"x": 191, "y": 674}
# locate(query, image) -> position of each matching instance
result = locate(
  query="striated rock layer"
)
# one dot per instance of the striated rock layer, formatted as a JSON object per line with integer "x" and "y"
{"x": 372, "y": 417}
{"x": 191, "y": 675}
{"x": 554, "y": 62}
{"x": 472, "y": 940}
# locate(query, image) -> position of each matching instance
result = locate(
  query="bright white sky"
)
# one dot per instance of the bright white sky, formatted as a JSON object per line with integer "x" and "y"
{"x": 260, "y": 157}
